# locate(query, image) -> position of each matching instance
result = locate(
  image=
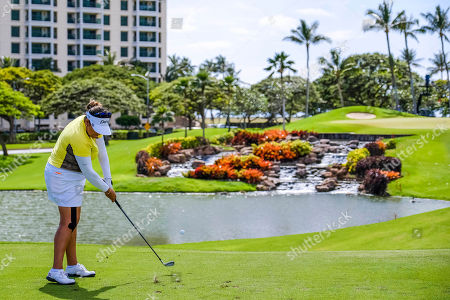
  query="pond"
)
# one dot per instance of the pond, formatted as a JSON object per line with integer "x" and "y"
{"x": 180, "y": 218}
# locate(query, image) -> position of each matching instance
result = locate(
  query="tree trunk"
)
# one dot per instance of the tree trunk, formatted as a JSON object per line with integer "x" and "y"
{"x": 307, "y": 81}
{"x": 446, "y": 67}
{"x": 284, "y": 102}
{"x": 163, "y": 131}
{"x": 391, "y": 65}
{"x": 203, "y": 122}
{"x": 411, "y": 81}
{"x": 12, "y": 130}
{"x": 3, "y": 143}
{"x": 190, "y": 122}
{"x": 340, "y": 92}
{"x": 186, "y": 124}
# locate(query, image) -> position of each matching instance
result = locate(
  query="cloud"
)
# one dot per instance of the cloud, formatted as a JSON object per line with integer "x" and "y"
{"x": 210, "y": 45}
{"x": 341, "y": 35}
{"x": 314, "y": 12}
{"x": 278, "y": 22}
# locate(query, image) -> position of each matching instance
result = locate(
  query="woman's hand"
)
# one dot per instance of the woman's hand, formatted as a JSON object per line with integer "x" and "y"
{"x": 111, "y": 194}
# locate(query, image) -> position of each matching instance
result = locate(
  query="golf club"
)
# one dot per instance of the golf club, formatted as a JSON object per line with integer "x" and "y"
{"x": 167, "y": 264}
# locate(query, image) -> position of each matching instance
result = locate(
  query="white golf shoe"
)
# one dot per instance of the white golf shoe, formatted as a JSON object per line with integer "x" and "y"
{"x": 79, "y": 271}
{"x": 60, "y": 277}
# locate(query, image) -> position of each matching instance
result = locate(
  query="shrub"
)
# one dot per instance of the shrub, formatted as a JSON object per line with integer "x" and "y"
{"x": 170, "y": 148}
{"x": 128, "y": 121}
{"x": 223, "y": 139}
{"x": 378, "y": 162}
{"x": 391, "y": 175}
{"x": 374, "y": 149}
{"x": 304, "y": 134}
{"x": 354, "y": 156}
{"x": 284, "y": 151}
{"x": 252, "y": 176}
{"x": 212, "y": 172}
{"x": 375, "y": 182}
{"x": 247, "y": 138}
{"x": 25, "y": 137}
{"x": 391, "y": 144}
{"x": 153, "y": 164}
{"x": 243, "y": 162}
{"x": 273, "y": 135}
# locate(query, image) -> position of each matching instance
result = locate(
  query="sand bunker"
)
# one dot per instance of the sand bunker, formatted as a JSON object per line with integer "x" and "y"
{"x": 360, "y": 116}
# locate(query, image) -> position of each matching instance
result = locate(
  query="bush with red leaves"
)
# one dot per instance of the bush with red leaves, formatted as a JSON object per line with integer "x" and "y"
{"x": 377, "y": 162}
{"x": 375, "y": 182}
{"x": 375, "y": 149}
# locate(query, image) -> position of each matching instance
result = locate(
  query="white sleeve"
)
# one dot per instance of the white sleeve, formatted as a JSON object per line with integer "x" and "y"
{"x": 104, "y": 160}
{"x": 85, "y": 164}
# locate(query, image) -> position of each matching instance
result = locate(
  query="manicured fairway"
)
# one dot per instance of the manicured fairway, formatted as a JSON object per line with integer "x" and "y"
{"x": 256, "y": 271}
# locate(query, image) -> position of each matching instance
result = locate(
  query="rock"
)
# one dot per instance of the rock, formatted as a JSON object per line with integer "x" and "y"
{"x": 332, "y": 182}
{"x": 141, "y": 175}
{"x": 353, "y": 146}
{"x": 294, "y": 138}
{"x": 197, "y": 163}
{"x": 166, "y": 162}
{"x": 317, "y": 150}
{"x": 301, "y": 173}
{"x": 361, "y": 187}
{"x": 333, "y": 149}
{"x": 332, "y": 143}
{"x": 188, "y": 153}
{"x": 157, "y": 174}
{"x": 275, "y": 168}
{"x": 326, "y": 174}
{"x": 178, "y": 158}
{"x": 164, "y": 169}
{"x": 312, "y": 139}
{"x": 301, "y": 166}
{"x": 246, "y": 151}
{"x": 324, "y": 141}
{"x": 262, "y": 187}
{"x": 353, "y": 142}
{"x": 238, "y": 147}
{"x": 275, "y": 181}
{"x": 334, "y": 170}
{"x": 269, "y": 184}
{"x": 217, "y": 149}
{"x": 341, "y": 173}
{"x": 327, "y": 185}
{"x": 208, "y": 150}
{"x": 310, "y": 160}
{"x": 322, "y": 188}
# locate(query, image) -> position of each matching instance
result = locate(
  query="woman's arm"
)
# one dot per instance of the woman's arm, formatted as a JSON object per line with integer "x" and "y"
{"x": 104, "y": 161}
{"x": 85, "y": 164}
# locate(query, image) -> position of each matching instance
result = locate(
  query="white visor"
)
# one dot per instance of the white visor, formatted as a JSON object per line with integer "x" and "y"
{"x": 100, "y": 125}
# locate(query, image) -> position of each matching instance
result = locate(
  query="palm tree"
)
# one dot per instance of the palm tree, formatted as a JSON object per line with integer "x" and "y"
{"x": 178, "y": 67}
{"x": 109, "y": 58}
{"x": 438, "y": 64}
{"x": 6, "y": 61}
{"x": 280, "y": 64}
{"x": 229, "y": 83}
{"x": 201, "y": 82}
{"x": 407, "y": 28}
{"x": 336, "y": 66}
{"x": 184, "y": 88}
{"x": 439, "y": 22}
{"x": 307, "y": 35}
{"x": 384, "y": 20}
{"x": 162, "y": 116}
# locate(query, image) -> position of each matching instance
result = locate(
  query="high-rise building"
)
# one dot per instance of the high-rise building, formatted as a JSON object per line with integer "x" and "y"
{"x": 67, "y": 34}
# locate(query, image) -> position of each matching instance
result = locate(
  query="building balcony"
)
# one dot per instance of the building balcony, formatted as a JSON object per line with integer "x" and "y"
{"x": 92, "y": 52}
{"x": 41, "y": 2}
{"x": 71, "y": 52}
{"x": 92, "y": 4}
{"x": 40, "y": 51}
{"x": 92, "y": 20}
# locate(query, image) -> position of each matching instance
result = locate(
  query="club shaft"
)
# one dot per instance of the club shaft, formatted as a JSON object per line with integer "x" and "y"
{"x": 139, "y": 231}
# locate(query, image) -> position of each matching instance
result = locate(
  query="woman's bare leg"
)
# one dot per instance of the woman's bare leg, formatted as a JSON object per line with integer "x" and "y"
{"x": 71, "y": 250}
{"x": 62, "y": 237}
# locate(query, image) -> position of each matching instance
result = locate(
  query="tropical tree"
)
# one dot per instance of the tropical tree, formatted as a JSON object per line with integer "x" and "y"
{"x": 13, "y": 105}
{"x": 109, "y": 58}
{"x": 178, "y": 67}
{"x": 229, "y": 84}
{"x": 384, "y": 19}
{"x": 162, "y": 116}
{"x": 72, "y": 97}
{"x": 438, "y": 63}
{"x": 439, "y": 23}
{"x": 306, "y": 35}
{"x": 280, "y": 64}
{"x": 409, "y": 28}
{"x": 336, "y": 66}
{"x": 205, "y": 89}
{"x": 6, "y": 61}
{"x": 184, "y": 88}
{"x": 249, "y": 102}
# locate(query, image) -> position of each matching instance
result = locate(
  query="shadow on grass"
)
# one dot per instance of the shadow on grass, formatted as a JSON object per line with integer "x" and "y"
{"x": 73, "y": 291}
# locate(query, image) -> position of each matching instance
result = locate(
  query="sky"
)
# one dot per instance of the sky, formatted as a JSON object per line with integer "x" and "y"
{"x": 248, "y": 32}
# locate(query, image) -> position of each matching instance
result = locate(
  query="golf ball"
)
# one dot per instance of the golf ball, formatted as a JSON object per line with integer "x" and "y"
{"x": 182, "y": 231}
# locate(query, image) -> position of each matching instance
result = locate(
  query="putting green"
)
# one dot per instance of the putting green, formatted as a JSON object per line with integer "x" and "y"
{"x": 400, "y": 123}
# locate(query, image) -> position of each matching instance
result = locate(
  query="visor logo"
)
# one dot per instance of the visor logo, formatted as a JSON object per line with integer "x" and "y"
{"x": 103, "y": 122}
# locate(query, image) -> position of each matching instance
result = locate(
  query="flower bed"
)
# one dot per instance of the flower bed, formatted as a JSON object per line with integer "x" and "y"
{"x": 285, "y": 151}
{"x": 173, "y": 146}
{"x": 247, "y": 138}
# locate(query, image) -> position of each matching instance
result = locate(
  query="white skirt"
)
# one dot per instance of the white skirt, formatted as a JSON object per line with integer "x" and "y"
{"x": 64, "y": 187}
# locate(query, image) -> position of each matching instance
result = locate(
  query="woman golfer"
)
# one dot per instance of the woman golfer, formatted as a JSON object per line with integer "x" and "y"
{"x": 67, "y": 169}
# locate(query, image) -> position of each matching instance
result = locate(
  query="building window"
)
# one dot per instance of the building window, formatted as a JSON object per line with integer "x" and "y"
{"x": 124, "y": 5}
{"x": 124, "y": 36}
{"x": 15, "y": 31}
{"x": 55, "y": 33}
{"x": 106, "y": 35}
{"x": 106, "y": 19}
{"x": 15, "y": 1}
{"x": 15, "y": 15}
{"x": 106, "y": 49}
{"x": 106, "y": 4}
{"x": 15, "y": 48}
{"x": 123, "y": 51}
{"x": 123, "y": 20}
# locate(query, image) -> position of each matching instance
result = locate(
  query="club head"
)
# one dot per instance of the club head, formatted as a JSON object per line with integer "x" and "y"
{"x": 169, "y": 264}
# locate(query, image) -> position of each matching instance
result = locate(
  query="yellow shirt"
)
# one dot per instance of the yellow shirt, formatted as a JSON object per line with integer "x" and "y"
{"x": 73, "y": 140}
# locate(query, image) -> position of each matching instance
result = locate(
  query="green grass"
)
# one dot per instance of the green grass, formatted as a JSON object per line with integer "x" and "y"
{"x": 36, "y": 145}
{"x": 253, "y": 269}
{"x": 30, "y": 176}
